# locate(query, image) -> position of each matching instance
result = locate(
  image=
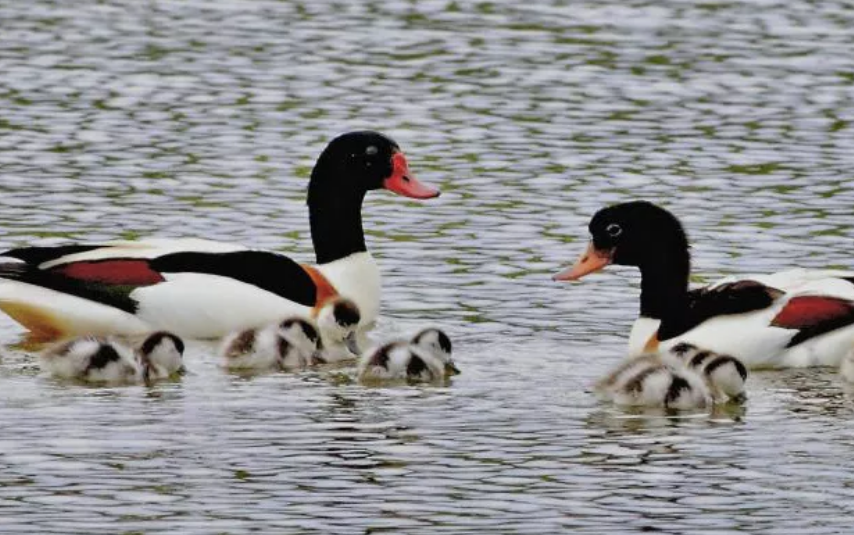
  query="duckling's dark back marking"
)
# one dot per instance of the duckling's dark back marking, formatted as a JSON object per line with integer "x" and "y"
{"x": 814, "y": 315}
{"x": 243, "y": 343}
{"x": 284, "y": 346}
{"x": 682, "y": 348}
{"x": 346, "y": 313}
{"x": 105, "y": 355}
{"x": 381, "y": 356}
{"x": 307, "y": 329}
{"x": 416, "y": 366}
{"x": 698, "y": 359}
{"x": 722, "y": 360}
{"x": 157, "y": 337}
{"x": 635, "y": 384}
{"x": 677, "y": 385}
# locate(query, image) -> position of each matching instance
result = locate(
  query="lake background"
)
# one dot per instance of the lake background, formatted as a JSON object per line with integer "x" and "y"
{"x": 195, "y": 118}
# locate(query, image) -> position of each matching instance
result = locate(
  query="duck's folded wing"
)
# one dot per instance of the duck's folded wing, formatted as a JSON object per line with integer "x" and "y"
{"x": 199, "y": 293}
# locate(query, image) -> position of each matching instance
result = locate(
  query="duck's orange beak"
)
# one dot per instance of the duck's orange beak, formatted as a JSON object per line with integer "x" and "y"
{"x": 402, "y": 182}
{"x": 591, "y": 261}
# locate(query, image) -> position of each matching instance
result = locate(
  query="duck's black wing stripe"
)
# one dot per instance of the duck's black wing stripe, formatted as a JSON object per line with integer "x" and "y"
{"x": 269, "y": 271}
{"x": 725, "y": 299}
{"x": 40, "y": 255}
{"x": 114, "y": 295}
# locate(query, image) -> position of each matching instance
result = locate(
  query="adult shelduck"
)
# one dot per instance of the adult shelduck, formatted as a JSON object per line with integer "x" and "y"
{"x": 786, "y": 319}
{"x": 205, "y": 289}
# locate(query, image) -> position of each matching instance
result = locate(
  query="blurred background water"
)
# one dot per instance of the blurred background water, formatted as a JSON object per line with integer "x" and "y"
{"x": 197, "y": 118}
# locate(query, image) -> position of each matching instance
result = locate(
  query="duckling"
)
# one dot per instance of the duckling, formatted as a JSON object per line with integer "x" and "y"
{"x": 724, "y": 374}
{"x": 161, "y": 356}
{"x": 425, "y": 358}
{"x": 338, "y": 323}
{"x": 648, "y": 381}
{"x": 289, "y": 344}
{"x": 115, "y": 361}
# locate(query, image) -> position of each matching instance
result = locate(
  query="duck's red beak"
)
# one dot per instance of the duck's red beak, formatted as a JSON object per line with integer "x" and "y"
{"x": 591, "y": 261}
{"x": 404, "y": 183}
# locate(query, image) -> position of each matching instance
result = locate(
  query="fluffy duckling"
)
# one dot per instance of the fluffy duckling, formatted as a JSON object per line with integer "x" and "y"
{"x": 648, "y": 381}
{"x": 425, "y": 358}
{"x": 338, "y": 322}
{"x": 110, "y": 360}
{"x": 725, "y": 375}
{"x": 289, "y": 344}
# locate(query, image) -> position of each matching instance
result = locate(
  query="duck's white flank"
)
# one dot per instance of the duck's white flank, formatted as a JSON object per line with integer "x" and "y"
{"x": 357, "y": 277}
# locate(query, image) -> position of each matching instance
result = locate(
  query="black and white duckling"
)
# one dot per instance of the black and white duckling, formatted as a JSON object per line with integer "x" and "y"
{"x": 338, "y": 323}
{"x": 425, "y": 358}
{"x": 111, "y": 360}
{"x": 289, "y": 344}
{"x": 725, "y": 375}
{"x": 649, "y": 381}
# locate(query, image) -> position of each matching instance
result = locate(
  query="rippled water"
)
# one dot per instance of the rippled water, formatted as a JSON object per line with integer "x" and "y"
{"x": 197, "y": 118}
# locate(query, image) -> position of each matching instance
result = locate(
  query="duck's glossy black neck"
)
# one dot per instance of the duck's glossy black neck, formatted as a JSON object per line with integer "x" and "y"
{"x": 664, "y": 292}
{"x": 335, "y": 216}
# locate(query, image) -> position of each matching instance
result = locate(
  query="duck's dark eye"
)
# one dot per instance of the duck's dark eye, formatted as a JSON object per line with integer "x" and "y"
{"x": 614, "y": 230}
{"x": 372, "y": 150}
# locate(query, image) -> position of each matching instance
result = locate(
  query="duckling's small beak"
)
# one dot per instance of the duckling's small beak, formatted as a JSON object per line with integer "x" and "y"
{"x": 451, "y": 369}
{"x": 352, "y": 343}
{"x": 181, "y": 371}
{"x": 590, "y": 261}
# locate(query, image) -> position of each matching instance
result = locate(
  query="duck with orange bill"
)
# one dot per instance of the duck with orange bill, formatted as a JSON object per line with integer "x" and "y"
{"x": 792, "y": 318}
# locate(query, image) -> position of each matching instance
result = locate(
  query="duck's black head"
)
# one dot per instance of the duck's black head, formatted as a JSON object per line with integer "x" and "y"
{"x": 357, "y": 162}
{"x": 350, "y": 166}
{"x": 636, "y": 233}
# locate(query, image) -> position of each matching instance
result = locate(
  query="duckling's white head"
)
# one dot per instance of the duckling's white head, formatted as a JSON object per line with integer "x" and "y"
{"x": 438, "y": 344}
{"x": 338, "y": 322}
{"x": 161, "y": 355}
{"x": 299, "y": 335}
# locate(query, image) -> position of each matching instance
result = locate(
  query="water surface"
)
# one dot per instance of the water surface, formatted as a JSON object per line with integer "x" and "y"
{"x": 191, "y": 118}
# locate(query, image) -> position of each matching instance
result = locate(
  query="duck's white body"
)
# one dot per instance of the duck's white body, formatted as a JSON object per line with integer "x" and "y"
{"x": 191, "y": 304}
{"x": 752, "y": 338}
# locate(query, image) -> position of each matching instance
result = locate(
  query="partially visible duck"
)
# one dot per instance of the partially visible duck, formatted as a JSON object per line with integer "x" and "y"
{"x": 425, "y": 358}
{"x": 649, "y": 381}
{"x": 111, "y": 360}
{"x": 289, "y": 344}
{"x": 725, "y": 375}
{"x": 207, "y": 289}
{"x": 786, "y": 319}
{"x": 338, "y": 323}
